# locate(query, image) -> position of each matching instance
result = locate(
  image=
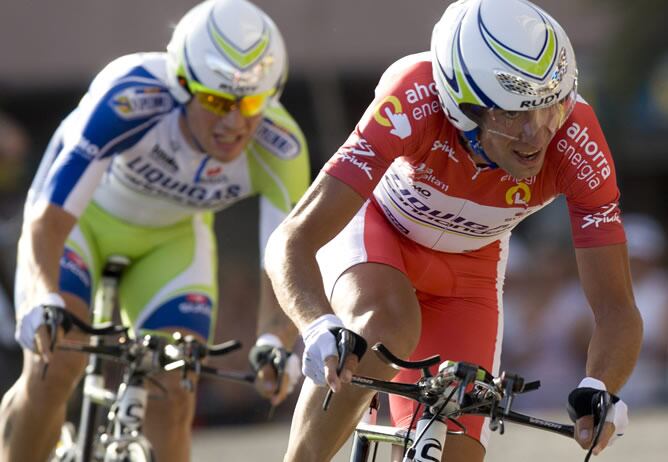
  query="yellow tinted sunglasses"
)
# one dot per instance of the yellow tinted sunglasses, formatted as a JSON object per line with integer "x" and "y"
{"x": 221, "y": 104}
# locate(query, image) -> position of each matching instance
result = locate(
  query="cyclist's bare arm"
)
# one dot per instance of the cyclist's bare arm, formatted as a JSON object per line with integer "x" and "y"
{"x": 271, "y": 319}
{"x": 615, "y": 343}
{"x": 40, "y": 249}
{"x": 42, "y": 243}
{"x": 324, "y": 210}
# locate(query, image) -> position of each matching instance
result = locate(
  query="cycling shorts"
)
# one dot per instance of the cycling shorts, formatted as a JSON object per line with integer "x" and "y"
{"x": 171, "y": 282}
{"x": 459, "y": 295}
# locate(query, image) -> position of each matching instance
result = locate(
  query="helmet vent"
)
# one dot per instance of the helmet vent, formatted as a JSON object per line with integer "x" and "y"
{"x": 520, "y": 86}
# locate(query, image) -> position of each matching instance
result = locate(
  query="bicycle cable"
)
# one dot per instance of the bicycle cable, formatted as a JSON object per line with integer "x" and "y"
{"x": 431, "y": 421}
{"x": 407, "y": 437}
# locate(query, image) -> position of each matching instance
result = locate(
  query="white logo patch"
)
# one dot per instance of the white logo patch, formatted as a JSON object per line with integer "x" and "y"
{"x": 138, "y": 102}
{"x": 277, "y": 140}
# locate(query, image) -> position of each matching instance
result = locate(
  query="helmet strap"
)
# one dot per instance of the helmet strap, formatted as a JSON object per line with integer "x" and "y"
{"x": 183, "y": 83}
{"x": 472, "y": 137}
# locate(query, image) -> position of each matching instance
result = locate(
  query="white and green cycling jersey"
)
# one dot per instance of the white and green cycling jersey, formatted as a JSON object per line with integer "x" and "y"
{"x": 120, "y": 163}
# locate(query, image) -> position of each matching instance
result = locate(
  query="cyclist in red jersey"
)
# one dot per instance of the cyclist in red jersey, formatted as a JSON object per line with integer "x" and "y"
{"x": 403, "y": 236}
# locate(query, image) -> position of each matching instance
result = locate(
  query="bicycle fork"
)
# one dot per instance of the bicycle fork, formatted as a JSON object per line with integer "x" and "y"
{"x": 430, "y": 433}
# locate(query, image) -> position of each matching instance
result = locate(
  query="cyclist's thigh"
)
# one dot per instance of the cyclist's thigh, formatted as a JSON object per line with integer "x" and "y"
{"x": 174, "y": 286}
{"x": 465, "y": 327}
{"x": 364, "y": 276}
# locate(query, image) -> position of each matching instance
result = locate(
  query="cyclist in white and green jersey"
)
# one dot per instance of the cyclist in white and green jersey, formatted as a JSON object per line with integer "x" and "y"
{"x": 158, "y": 143}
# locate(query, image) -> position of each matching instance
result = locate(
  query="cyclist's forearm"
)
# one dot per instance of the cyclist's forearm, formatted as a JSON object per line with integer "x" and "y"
{"x": 41, "y": 247}
{"x": 271, "y": 318}
{"x": 614, "y": 348}
{"x": 296, "y": 279}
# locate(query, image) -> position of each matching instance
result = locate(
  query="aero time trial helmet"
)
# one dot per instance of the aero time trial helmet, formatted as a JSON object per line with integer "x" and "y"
{"x": 501, "y": 54}
{"x": 229, "y": 48}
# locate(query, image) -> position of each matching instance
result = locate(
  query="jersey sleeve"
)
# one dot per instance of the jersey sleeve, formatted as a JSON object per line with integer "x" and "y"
{"x": 588, "y": 180}
{"x": 278, "y": 159}
{"x": 121, "y": 105}
{"x": 391, "y": 126}
{"x": 279, "y": 169}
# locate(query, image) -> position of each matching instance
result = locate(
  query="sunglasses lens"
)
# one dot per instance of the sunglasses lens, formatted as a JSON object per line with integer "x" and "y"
{"x": 254, "y": 104}
{"x": 215, "y": 104}
{"x": 249, "y": 106}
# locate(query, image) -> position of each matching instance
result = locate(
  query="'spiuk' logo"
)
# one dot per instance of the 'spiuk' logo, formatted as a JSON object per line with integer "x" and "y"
{"x": 520, "y": 194}
{"x": 389, "y": 113}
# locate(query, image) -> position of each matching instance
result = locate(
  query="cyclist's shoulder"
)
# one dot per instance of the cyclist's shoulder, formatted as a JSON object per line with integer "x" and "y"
{"x": 134, "y": 86}
{"x": 579, "y": 157}
{"x": 279, "y": 136}
{"x": 408, "y": 71}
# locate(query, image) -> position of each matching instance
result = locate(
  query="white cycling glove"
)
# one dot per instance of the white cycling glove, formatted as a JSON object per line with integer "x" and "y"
{"x": 267, "y": 342}
{"x": 28, "y": 322}
{"x": 319, "y": 344}
{"x": 618, "y": 411}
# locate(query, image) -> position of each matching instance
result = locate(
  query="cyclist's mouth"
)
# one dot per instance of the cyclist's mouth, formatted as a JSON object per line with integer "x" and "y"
{"x": 227, "y": 140}
{"x": 527, "y": 158}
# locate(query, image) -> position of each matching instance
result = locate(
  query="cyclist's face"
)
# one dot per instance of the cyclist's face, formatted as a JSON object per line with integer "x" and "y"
{"x": 517, "y": 141}
{"x": 222, "y": 136}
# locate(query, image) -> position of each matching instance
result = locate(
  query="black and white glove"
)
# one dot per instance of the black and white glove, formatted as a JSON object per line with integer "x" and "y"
{"x": 268, "y": 349}
{"x": 321, "y": 340}
{"x": 319, "y": 344}
{"x": 29, "y": 321}
{"x": 583, "y": 400}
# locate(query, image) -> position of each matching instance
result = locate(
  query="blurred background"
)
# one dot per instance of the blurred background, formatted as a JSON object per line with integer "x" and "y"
{"x": 51, "y": 50}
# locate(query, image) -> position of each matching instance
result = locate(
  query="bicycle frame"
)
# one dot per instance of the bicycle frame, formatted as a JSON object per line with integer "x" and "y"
{"x": 121, "y": 438}
{"x": 94, "y": 392}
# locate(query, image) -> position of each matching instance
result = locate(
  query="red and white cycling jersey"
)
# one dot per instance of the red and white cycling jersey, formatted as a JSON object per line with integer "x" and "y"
{"x": 407, "y": 156}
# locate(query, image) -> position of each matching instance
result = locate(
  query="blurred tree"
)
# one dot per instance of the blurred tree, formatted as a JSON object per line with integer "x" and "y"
{"x": 635, "y": 48}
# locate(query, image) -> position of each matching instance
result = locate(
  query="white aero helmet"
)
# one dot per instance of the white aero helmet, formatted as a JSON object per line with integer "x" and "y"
{"x": 226, "y": 47}
{"x": 504, "y": 54}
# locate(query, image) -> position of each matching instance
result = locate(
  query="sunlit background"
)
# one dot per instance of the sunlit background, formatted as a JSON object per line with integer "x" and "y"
{"x": 50, "y": 50}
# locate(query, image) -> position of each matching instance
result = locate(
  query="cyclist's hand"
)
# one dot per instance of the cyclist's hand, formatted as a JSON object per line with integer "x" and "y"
{"x": 585, "y": 430}
{"x": 582, "y": 408}
{"x": 273, "y": 364}
{"x": 334, "y": 379}
{"x": 350, "y": 347}
{"x": 31, "y": 332}
{"x": 320, "y": 358}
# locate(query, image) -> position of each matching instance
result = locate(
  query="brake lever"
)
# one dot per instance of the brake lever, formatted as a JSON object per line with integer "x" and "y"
{"x": 345, "y": 348}
{"x": 52, "y": 319}
{"x": 600, "y": 406}
{"x": 278, "y": 363}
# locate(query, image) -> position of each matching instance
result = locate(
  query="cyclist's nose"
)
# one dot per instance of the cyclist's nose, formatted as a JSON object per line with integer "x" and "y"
{"x": 537, "y": 129}
{"x": 233, "y": 120}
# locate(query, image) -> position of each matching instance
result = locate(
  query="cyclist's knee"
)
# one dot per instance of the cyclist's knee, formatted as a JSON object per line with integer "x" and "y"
{"x": 379, "y": 302}
{"x": 399, "y": 334}
{"x": 64, "y": 371}
{"x": 175, "y": 405}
